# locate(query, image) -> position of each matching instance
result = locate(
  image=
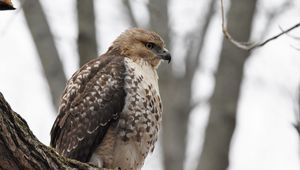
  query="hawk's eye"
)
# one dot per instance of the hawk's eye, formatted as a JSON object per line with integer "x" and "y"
{"x": 150, "y": 45}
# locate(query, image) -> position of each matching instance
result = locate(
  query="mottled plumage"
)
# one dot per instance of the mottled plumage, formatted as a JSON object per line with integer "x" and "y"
{"x": 110, "y": 112}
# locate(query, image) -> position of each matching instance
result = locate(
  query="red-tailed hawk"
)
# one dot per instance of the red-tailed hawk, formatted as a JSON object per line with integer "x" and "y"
{"x": 110, "y": 112}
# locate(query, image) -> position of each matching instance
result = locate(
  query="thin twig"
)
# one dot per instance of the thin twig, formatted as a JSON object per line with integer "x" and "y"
{"x": 296, "y": 48}
{"x": 272, "y": 15}
{"x": 248, "y": 45}
{"x": 292, "y": 36}
{"x": 276, "y": 36}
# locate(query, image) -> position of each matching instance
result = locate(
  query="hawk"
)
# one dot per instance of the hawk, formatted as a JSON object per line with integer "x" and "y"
{"x": 111, "y": 111}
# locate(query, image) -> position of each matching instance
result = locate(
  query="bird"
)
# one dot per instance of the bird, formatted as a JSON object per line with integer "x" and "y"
{"x": 6, "y": 5}
{"x": 111, "y": 110}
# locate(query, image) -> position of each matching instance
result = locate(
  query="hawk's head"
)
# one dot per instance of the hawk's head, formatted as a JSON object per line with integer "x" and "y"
{"x": 136, "y": 43}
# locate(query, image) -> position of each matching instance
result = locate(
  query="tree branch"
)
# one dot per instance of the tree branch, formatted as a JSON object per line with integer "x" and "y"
{"x": 273, "y": 15}
{"x": 291, "y": 36}
{"x": 249, "y": 45}
{"x": 20, "y": 149}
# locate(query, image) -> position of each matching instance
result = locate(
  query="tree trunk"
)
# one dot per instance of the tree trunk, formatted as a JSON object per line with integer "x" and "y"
{"x": 44, "y": 42}
{"x": 20, "y": 149}
{"x": 225, "y": 98}
{"x": 87, "y": 43}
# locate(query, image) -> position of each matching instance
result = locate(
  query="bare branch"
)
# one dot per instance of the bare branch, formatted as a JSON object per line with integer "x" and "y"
{"x": 249, "y": 45}
{"x": 274, "y": 37}
{"x": 292, "y": 36}
{"x": 296, "y": 48}
{"x": 273, "y": 14}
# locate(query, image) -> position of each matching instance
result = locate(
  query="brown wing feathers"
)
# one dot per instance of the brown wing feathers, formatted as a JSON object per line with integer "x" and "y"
{"x": 83, "y": 120}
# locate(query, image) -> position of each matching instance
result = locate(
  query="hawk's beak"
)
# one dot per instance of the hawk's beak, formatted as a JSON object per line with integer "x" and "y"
{"x": 165, "y": 55}
{"x": 6, "y": 5}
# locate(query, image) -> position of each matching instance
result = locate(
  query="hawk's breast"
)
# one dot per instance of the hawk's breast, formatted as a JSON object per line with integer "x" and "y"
{"x": 140, "y": 119}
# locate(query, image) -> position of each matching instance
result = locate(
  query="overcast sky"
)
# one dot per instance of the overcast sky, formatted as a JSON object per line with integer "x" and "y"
{"x": 264, "y": 138}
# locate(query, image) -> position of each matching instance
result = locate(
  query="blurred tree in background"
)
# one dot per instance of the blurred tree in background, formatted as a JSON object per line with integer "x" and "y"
{"x": 87, "y": 44}
{"x": 45, "y": 46}
{"x": 224, "y": 101}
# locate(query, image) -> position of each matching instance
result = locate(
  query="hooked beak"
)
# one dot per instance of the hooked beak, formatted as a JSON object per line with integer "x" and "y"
{"x": 6, "y": 6}
{"x": 165, "y": 55}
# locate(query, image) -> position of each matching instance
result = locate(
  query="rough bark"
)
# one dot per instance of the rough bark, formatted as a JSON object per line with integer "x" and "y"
{"x": 20, "y": 149}
{"x": 87, "y": 43}
{"x": 224, "y": 100}
{"x": 176, "y": 90}
{"x": 45, "y": 45}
